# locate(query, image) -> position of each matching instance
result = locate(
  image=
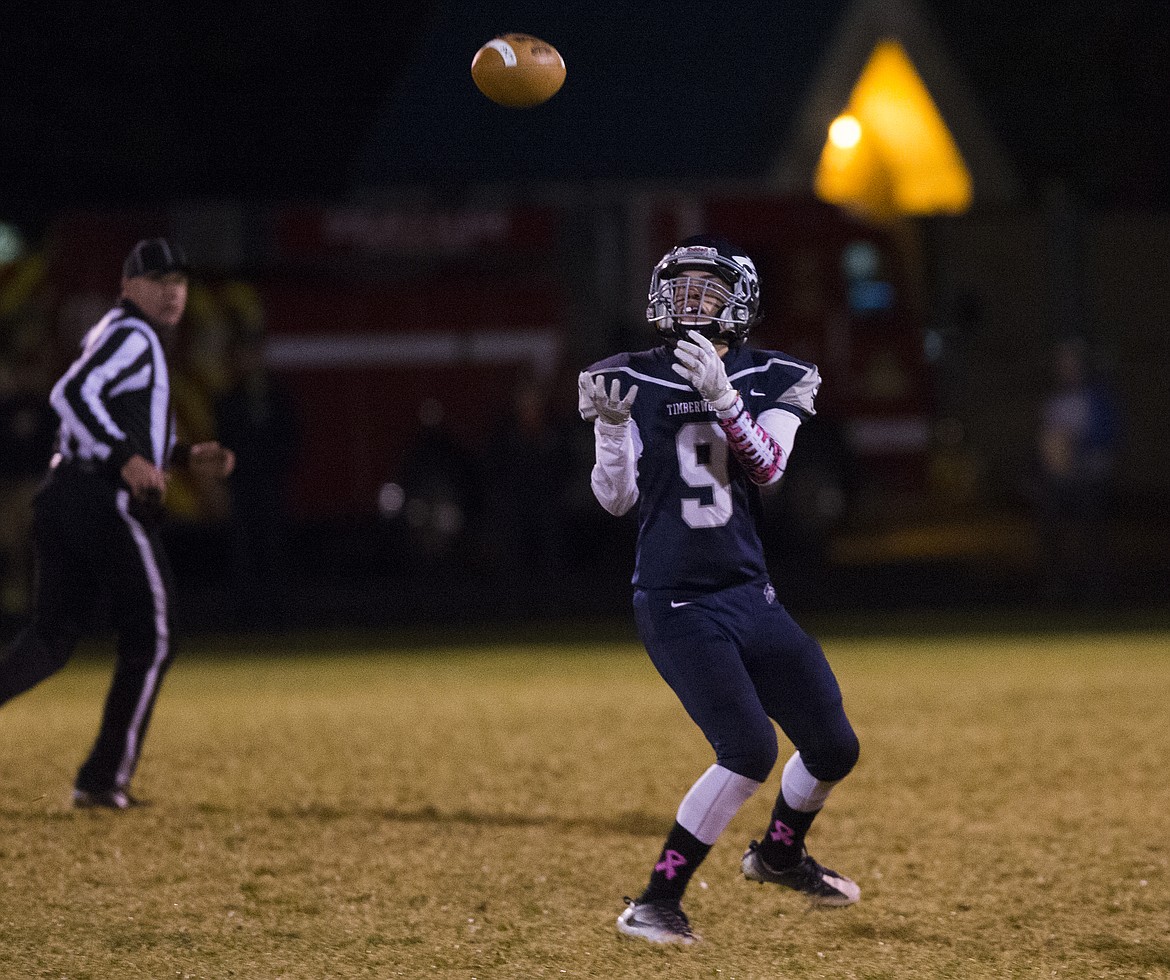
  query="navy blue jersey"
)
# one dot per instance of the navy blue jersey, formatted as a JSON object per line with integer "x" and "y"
{"x": 696, "y": 526}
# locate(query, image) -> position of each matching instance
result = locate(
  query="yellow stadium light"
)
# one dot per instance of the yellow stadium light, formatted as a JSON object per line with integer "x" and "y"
{"x": 908, "y": 162}
{"x": 845, "y": 132}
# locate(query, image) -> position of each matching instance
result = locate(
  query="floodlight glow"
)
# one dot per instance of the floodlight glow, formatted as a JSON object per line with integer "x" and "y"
{"x": 845, "y": 132}
{"x": 908, "y": 162}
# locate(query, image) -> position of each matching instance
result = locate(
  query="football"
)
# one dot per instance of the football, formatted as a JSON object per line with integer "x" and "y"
{"x": 518, "y": 71}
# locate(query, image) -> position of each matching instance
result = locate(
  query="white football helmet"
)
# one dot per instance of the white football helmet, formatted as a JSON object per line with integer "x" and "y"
{"x": 722, "y": 305}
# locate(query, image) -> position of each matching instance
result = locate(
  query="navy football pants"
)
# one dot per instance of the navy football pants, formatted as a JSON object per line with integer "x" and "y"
{"x": 737, "y": 661}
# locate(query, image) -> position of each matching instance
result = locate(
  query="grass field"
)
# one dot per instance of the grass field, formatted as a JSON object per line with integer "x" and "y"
{"x": 478, "y": 810}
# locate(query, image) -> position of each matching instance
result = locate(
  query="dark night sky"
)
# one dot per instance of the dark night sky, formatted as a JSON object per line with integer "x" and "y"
{"x": 146, "y": 102}
{"x": 1078, "y": 90}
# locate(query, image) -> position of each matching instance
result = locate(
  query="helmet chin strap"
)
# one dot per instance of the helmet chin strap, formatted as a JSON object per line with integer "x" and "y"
{"x": 672, "y": 331}
{"x": 718, "y": 330}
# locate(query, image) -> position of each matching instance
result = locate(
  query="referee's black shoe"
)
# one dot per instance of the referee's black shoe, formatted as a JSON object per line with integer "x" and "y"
{"x": 110, "y": 799}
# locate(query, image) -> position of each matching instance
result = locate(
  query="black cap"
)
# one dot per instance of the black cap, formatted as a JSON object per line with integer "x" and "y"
{"x": 154, "y": 256}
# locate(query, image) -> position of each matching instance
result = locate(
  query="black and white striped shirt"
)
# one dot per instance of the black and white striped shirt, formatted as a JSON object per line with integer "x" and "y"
{"x": 115, "y": 399}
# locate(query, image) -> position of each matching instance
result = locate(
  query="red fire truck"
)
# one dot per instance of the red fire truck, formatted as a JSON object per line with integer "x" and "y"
{"x": 383, "y": 320}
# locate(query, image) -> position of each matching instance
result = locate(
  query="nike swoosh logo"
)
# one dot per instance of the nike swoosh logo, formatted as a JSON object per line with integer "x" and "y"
{"x": 678, "y": 605}
{"x": 758, "y": 394}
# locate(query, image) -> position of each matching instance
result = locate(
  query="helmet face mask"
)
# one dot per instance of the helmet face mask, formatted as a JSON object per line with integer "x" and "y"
{"x": 704, "y": 284}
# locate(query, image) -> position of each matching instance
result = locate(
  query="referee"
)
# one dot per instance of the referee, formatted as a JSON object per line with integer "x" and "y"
{"x": 96, "y": 517}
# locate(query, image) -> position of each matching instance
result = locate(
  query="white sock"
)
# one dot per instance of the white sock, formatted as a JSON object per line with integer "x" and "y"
{"x": 712, "y": 801}
{"x": 802, "y": 790}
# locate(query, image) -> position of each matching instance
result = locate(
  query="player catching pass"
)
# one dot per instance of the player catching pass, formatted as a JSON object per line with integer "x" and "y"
{"x": 687, "y": 431}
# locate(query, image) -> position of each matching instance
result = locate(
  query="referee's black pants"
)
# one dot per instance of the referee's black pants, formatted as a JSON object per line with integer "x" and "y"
{"x": 92, "y": 542}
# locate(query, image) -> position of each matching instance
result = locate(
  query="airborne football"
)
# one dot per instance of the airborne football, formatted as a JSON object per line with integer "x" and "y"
{"x": 518, "y": 70}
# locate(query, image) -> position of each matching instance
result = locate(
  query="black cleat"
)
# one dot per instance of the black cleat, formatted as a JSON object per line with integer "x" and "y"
{"x": 821, "y": 885}
{"x": 109, "y": 799}
{"x": 656, "y": 922}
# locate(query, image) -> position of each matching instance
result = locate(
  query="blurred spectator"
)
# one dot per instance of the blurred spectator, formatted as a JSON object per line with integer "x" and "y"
{"x": 525, "y": 467}
{"x": 27, "y": 429}
{"x": 1076, "y": 445}
{"x": 955, "y": 473}
{"x": 200, "y": 377}
{"x": 257, "y": 417}
{"x": 440, "y": 491}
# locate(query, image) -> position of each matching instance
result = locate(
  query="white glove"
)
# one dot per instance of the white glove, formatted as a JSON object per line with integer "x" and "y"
{"x": 611, "y": 407}
{"x": 702, "y": 367}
